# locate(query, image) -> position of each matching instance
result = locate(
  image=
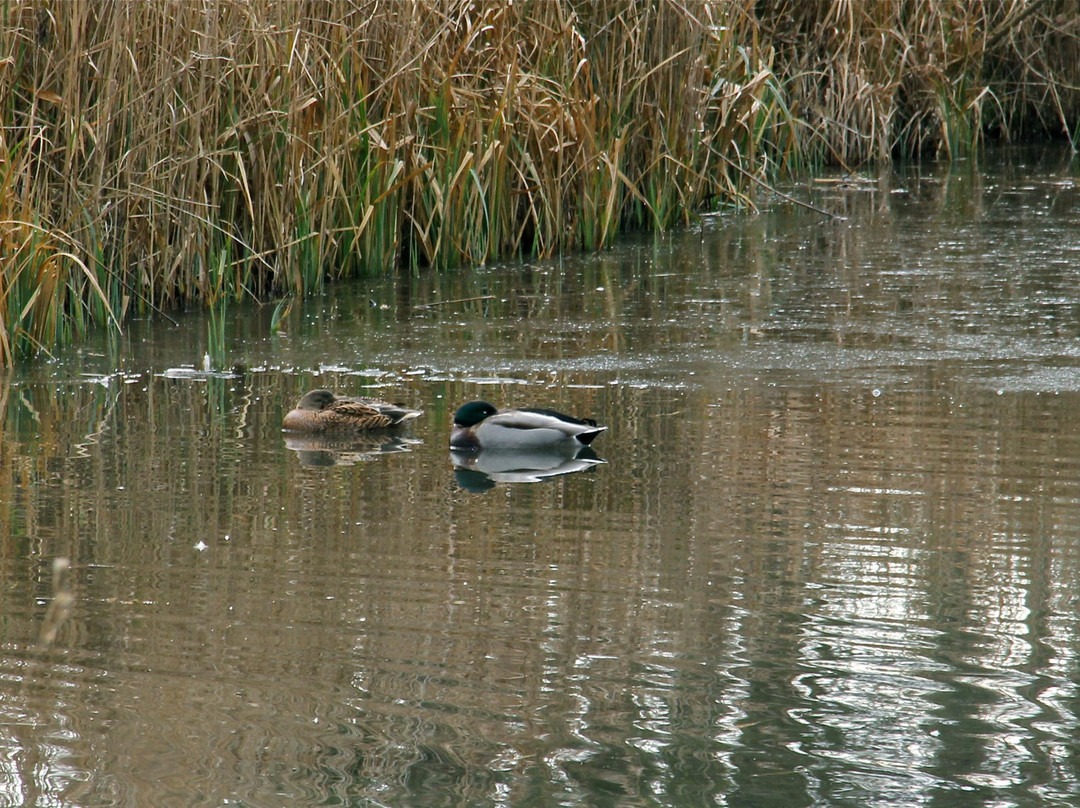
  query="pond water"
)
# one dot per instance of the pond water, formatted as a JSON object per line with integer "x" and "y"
{"x": 831, "y": 556}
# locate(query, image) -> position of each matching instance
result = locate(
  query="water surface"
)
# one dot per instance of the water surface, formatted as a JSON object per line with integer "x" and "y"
{"x": 831, "y": 558}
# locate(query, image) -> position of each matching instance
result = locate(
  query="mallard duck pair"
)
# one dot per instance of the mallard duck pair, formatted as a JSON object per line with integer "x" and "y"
{"x": 477, "y": 425}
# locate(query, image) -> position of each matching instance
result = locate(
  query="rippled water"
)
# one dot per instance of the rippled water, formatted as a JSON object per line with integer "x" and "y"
{"x": 831, "y": 558}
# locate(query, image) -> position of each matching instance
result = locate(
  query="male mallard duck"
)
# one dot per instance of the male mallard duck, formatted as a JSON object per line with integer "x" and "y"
{"x": 323, "y": 411}
{"x": 478, "y": 425}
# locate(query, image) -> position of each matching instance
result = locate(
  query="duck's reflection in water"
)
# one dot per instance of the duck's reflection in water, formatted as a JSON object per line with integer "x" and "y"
{"x": 320, "y": 450}
{"x": 482, "y": 470}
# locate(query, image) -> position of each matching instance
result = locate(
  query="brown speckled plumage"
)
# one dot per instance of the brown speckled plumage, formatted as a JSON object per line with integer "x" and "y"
{"x": 323, "y": 411}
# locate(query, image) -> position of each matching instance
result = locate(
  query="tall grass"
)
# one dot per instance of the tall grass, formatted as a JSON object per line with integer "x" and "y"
{"x": 877, "y": 79}
{"x": 155, "y": 155}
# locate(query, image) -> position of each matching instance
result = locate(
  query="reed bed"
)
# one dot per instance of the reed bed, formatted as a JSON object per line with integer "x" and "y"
{"x": 872, "y": 80}
{"x": 159, "y": 155}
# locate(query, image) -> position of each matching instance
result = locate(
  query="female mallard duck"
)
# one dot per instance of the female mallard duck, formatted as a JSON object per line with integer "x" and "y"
{"x": 478, "y": 425}
{"x": 322, "y": 411}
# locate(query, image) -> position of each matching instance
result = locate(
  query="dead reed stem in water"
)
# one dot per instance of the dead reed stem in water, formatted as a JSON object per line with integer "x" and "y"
{"x": 156, "y": 154}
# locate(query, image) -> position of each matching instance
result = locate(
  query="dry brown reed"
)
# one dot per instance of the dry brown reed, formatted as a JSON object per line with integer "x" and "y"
{"x": 876, "y": 79}
{"x": 158, "y": 154}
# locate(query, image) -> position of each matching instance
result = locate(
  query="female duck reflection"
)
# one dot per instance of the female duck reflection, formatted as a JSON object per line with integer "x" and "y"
{"x": 518, "y": 445}
{"x": 328, "y": 429}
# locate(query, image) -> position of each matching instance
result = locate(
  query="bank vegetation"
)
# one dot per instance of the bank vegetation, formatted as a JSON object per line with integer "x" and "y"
{"x": 166, "y": 154}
